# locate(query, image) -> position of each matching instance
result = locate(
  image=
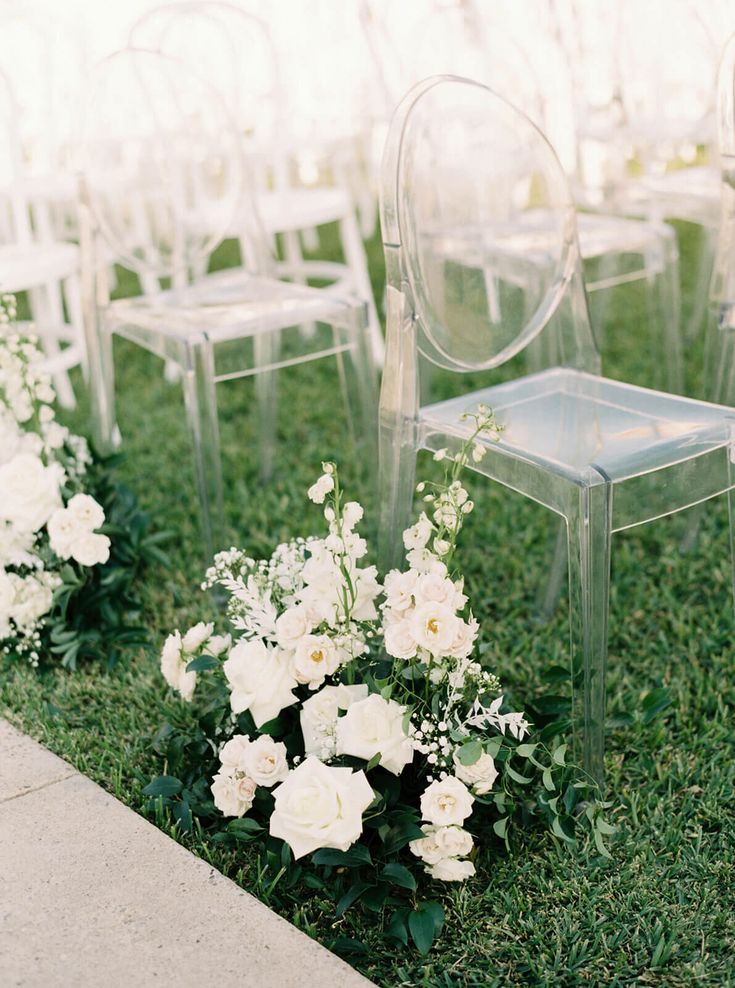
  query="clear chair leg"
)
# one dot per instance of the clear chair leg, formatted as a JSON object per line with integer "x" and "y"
{"x": 201, "y": 412}
{"x": 550, "y": 591}
{"x": 589, "y": 537}
{"x": 358, "y": 381}
{"x": 666, "y": 302}
{"x": 731, "y": 516}
{"x": 356, "y": 259}
{"x": 266, "y": 348}
{"x": 397, "y": 472}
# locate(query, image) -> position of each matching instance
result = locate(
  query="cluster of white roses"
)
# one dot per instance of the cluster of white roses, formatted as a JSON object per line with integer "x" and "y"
{"x": 445, "y": 805}
{"x": 39, "y": 461}
{"x": 179, "y": 650}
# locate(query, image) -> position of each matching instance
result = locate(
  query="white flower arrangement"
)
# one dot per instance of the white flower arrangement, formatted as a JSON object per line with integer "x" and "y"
{"x": 355, "y": 721}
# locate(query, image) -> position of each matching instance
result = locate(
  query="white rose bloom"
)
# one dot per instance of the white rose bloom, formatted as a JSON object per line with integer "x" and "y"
{"x": 399, "y": 639}
{"x": 319, "y": 716}
{"x": 314, "y": 658}
{"x": 232, "y": 754}
{"x": 218, "y": 645}
{"x": 480, "y": 776}
{"x": 292, "y": 625}
{"x": 29, "y": 491}
{"x": 318, "y": 491}
{"x": 63, "y": 531}
{"x": 447, "y": 802}
{"x": 464, "y": 640}
{"x": 442, "y": 842}
{"x": 91, "y": 549}
{"x": 434, "y": 626}
{"x": 439, "y": 588}
{"x": 375, "y": 725}
{"x": 260, "y": 681}
{"x": 264, "y": 761}
{"x": 196, "y": 637}
{"x": 87, "y": 511}
{"x": 452, "y": 870}
{"x": 320, "y": 806}
{"x": 399, "y": 588}
{"x": 419, "y": 534}
{"x": 233, "y": 796}
{"x": 173, "y": 667}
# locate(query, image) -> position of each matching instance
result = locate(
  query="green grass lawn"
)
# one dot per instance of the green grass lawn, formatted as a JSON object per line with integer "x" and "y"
{"x": 661, "y": 912}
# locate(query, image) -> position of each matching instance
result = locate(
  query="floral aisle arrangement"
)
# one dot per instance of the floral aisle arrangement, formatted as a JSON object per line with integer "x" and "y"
{"x": 71, "y": 542}
{"x": 348, "y": 725}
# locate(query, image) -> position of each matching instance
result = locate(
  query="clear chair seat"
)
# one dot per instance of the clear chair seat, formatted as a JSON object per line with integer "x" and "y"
{"x": 298, "y": 209}
{"x": 587, "y": 430}
{"x": 26, "y": 265}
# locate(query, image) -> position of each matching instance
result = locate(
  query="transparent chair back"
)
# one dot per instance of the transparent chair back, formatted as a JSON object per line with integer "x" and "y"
{"x": 159, "y": 147}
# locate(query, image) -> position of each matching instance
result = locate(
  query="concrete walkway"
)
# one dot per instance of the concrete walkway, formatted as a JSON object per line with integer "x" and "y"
{"x": 92, "y": 894}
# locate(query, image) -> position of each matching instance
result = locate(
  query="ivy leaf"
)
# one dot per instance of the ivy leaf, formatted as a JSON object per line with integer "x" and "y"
{"x": 526, "y": 750}
{"x": 399, "y": 875}
{"x": 425, "y": 923}
{"x": 163, "y": 785}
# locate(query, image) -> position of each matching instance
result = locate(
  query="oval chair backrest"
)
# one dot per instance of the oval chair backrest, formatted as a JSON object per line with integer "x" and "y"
{"x": 161, "y": 162}
{"x": 477, "y": 206}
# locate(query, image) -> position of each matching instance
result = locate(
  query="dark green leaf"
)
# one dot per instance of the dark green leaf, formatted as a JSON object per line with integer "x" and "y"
{"x": 163, "y": 785}
{"x": 398, "y": 875}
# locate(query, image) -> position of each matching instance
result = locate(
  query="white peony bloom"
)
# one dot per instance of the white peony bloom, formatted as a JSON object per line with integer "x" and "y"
{"x": 314, "y": 657}
{"x": 87, "y": 511}
{"x": 399, "y": 639}
{"x": 452, "y": 870}
{"x": 446, "y": 802}
{"x": 91, "y": 549}
{"x": 195, "y": 637}
{"x": 318, "y": 491}
{"x": 233, "y": 796}
{"x": 480, "y": 776}
{"x": 260, "y": 681}
{"x": 399, "y": 589}
{"x": 375, "y": 725}
{"x": 320, "y": 806}
{"x": 173, "y": 667}
{"x": 232, "y": 753}
{"x": 434, "y": 626}
{"x": 440, "y": 843}
{"x": 264, "y": 761}
{"x": 319, "y": 716}
{"x": 293, "y": 625}
{"x": 29, "y": 491}
{"x": 419, "y": 534}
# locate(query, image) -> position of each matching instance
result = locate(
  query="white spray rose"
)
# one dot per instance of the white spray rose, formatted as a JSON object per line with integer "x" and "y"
{"x": 196, "y": 637}
{"x": 319, "y": 716}
{"x": 264, "y": 761}
{"x": 446, "y": 802}
{"x": 320, "y": 806}
{"x": 232, "y": 754}
{"x": 233, "y": 796}
{"x": 260, "y": 681}
{"x": 91, "y": 549}
{"x": 314, "y": 657}
{"x": 452, "y": 870}
{"x": 480, "y": 776}
{"x": 375, "y": 725}
{"x": 434, "y": 626}
{"x": 292, "y": 625}
{"x": 173, "y": 667}
{"x": 399, "y": 589}
{"x": 29, "y": 491}
{"x": 440, "y": 843}
{"x": 33, "y": 598}
{"x": 63, "y": 531}
{"x": 399, "y": 639}
{"x": 87, "y": 511}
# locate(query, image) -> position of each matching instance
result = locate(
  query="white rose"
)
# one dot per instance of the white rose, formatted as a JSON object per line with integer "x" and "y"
{"x": 87, "y": 511}
{"x": 264, "y": 761}
{"x": 320, "y": 806}
{"x": 440, "y": 843}
{"x": 452, "y": 870}
{"x": 173, "y": 667}
{"x": 434, "y": 626}
{"x": 419, "y": 534}
{"x": 91, "y": 549}
{"x": 446, "y": 802}
{"x": 260, "y": 681}
{"x": 480, "y": 776}
{"x": 218, "y": 645}
{"x": 29, "y": 491}
{"x": 195, "y": 637}
{"x": 63, "y": 531}
{"x": 314, "y": 658}
{"x": 399, "y": 640}
{"x": 399, "y": 588}
{"x": 464, "y": 639}
{"x": 318, "y": 491}
{"x": 233, "y": 796}
{"x": 292, "y": 625}
{"x": 442, "y": 590}
{"x": 319, "y": 716}
{"x": 232, "y": 754}
{"x": 375, "y": 725}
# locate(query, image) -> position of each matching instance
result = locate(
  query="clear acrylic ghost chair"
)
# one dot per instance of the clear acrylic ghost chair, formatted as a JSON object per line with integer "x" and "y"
{"x": 469, "y": 39}
{"x": 159, "y": 146}
{"x": 603, "y": 455}
{"x": 33, "y": 262}
{"x": 234, "y": 50}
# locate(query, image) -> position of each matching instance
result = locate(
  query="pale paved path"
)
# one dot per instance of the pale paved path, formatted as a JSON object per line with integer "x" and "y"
{"x": 91, "y": 894}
